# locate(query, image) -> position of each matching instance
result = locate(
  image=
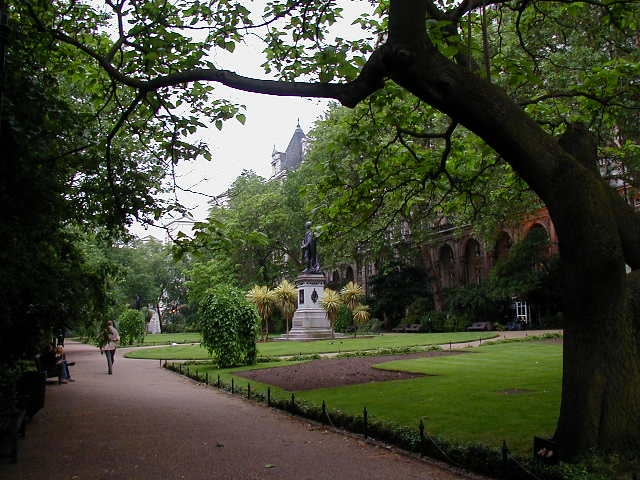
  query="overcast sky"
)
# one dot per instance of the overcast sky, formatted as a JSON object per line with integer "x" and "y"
{"x": 270, "y": 123}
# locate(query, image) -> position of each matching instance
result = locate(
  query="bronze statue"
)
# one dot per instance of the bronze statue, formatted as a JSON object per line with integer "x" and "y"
{"x": 310, "y": 252}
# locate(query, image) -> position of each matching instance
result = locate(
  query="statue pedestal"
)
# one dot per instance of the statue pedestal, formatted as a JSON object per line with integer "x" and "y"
{"x": 310, "y": 321}
{"x": 154, "y": 324}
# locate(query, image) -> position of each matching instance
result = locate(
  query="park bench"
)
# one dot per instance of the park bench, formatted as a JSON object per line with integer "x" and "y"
{"x": 480, "y": 327}
{"x": 47, "y": 363}
{"x": 404, "y": 328}
{"x": 12, "y": 426}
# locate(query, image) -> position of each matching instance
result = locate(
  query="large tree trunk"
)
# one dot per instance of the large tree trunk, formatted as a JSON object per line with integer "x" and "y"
{"x": 601, "y": 369}
{"x": 601, "y": 375}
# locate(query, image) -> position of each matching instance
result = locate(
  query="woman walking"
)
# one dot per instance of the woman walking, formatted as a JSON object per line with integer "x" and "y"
{"x": 109, "y": 348}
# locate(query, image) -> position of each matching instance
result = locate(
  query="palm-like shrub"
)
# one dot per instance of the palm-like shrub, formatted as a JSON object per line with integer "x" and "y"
{"x": 331, "y": 302}
{"x": 351, "y": 294}
{"x": 361, "y": 314}
{"x": 265, "y": 301}
{"x": 286, "y": 295}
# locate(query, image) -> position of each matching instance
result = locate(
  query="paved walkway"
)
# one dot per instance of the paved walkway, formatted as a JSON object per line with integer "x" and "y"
{"x": 144, "y": 422}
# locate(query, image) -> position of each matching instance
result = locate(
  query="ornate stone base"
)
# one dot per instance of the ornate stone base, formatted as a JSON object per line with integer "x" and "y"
{"x": 310, "y": 321}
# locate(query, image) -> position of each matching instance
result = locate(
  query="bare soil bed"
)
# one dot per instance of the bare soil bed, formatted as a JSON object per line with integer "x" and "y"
{"x": 335, "y": 372}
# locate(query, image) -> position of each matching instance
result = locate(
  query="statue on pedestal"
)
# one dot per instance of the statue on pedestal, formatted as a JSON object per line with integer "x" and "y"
{"x": 310, "y": 252}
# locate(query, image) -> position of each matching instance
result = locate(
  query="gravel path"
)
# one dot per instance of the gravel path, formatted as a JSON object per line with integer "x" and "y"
{"x": 144, "y": 422}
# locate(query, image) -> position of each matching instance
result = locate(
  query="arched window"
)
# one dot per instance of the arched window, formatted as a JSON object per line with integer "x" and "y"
{"x": 349, "y": 274}
{"x": 503, "y": 244}
{"x": 472, "y": 263}
{"x": 538, "y": 238}
{"x": 537, "y": 232}
{"x": 447, "y": 270}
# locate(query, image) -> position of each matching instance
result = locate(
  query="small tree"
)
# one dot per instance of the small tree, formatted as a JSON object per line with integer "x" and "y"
{"x": 132, "y": 324}
{"x": 265, "y": 301}
{"x": 286, "y": 295}
{"x": 361, "y": 315}
{"x": 351, "y": 295}
{"x": 331, "y": 302}
{"x": 229, "y": 326}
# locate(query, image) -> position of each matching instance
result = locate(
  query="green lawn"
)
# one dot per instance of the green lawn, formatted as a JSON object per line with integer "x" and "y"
{"x": 465, "y": 396}
{"x": 499, "y": 392}
{"x": 274, "y": 349}
{"x": 169, "y": 338}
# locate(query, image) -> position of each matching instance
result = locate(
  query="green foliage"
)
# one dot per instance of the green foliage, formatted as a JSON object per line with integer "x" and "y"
{"x": 132, "y": 326}
{"x": 255, "y": 237}
{"x": 264, "y": 300}
{"x": 149, "y": 270}
{"x": 475, "y": 304}
{"x": 287, "y": 300}
{"x": 331, "y": 302}
{"x": 229, "y": 326}
{"x": 417, "y": 309}
{"x": 394, "y": 290}
{"x": 380, "y": 178}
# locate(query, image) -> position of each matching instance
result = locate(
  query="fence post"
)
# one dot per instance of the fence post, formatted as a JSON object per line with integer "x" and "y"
{"x": 232, "y": 385}
{"x": 505, "y": 455}
{"x": 324, "y": 412}
{"x": 206, "y": 377}
{"x": 293, "y": 403}
{"x": 365, "y": 420}
{"x": 422, "y": 438}
{"x": 218, "y": 382}
{"x": 268, "y": 396}
{"x": 248, "y": 391}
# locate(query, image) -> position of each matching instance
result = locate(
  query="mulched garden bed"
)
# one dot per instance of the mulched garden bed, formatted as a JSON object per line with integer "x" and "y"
{"x": 335, "y": 372}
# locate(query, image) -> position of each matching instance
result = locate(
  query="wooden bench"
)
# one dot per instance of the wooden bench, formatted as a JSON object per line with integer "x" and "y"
{"x": 12, "y": 426}
{"x": 480, "y": 327}
{"x": 404, "y": 328}
{"x": 47, "y": 363}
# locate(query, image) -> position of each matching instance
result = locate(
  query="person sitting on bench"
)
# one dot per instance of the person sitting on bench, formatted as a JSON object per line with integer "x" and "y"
{"x": 64, "y": 375}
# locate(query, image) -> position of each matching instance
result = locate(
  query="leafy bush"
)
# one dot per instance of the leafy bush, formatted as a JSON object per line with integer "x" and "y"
{"x": 131, "y": 326}
{"x": 417, "y": 309}
{"x": 229, "y": 326}
{"x": 394, "y": 289}
{"x": 446, "y": 321}
{"x": 474, "y": 303}
{"x": 344, "y": 320}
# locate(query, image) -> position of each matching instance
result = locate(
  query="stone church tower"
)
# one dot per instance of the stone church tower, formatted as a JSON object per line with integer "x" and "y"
{"x": 291, "y": 158}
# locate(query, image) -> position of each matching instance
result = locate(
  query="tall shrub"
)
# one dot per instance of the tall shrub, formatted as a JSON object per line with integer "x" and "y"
{"x": 286, "y": 295}
{"x": 131, "y": 326}
{"x": 265, "y": 301}
{"x": 331, "y": 302}
{"x": 229, "y": 326}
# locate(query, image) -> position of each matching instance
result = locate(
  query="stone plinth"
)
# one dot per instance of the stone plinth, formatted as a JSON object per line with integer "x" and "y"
{"x": 154, "y": 324}
{"x": 310, "y": 321}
